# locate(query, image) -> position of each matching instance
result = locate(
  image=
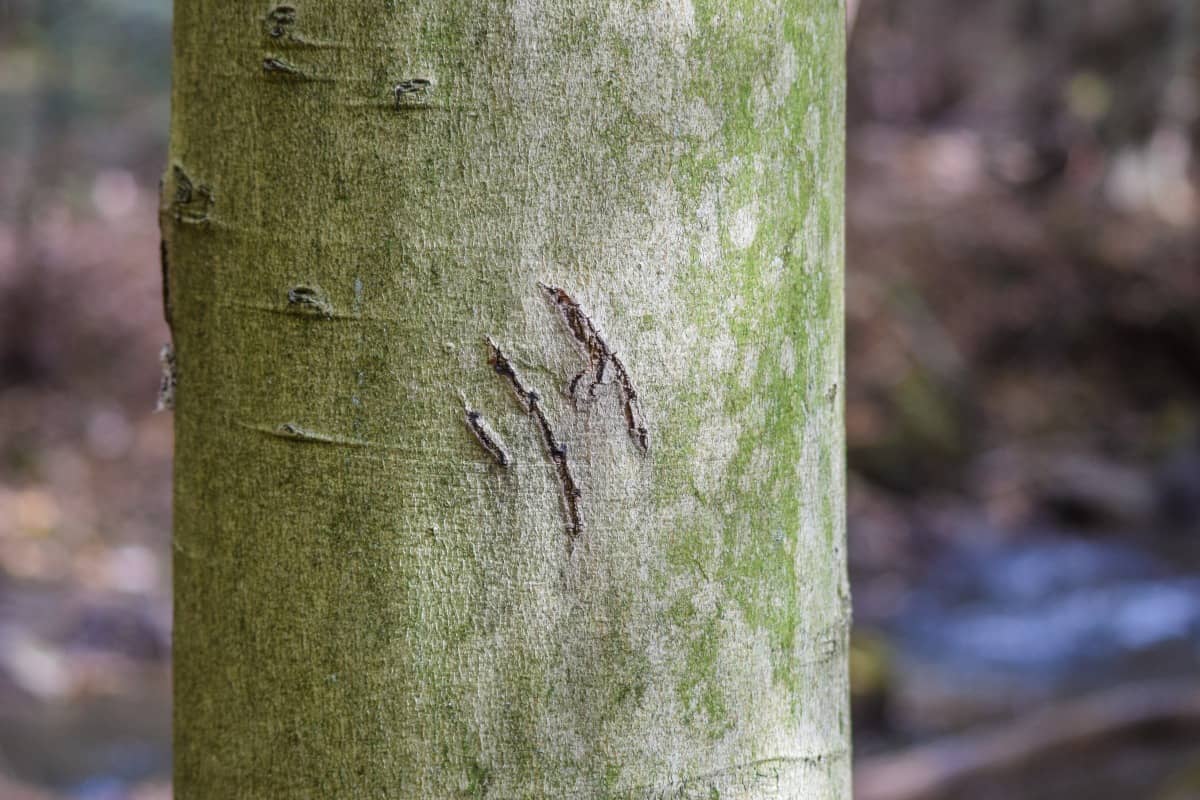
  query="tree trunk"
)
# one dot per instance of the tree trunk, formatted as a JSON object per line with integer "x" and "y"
{"x": 509, "y": 445}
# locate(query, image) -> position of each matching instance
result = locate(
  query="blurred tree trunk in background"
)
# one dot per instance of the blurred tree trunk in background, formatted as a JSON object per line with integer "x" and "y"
{"x": 509, "y": 442}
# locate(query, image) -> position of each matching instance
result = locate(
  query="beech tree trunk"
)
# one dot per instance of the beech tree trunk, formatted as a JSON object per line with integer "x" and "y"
{"x": 508, "y": 342}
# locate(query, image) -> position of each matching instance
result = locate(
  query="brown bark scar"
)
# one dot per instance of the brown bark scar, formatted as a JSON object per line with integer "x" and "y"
{"x": 531, "y": 401}
{"x": 488, "y": 439}
{"x": 600, "y": 360}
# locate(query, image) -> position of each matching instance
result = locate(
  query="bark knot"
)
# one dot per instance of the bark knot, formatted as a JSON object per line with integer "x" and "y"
{"x": 311, "y": 300}
{"x": 192, "y": 202}
{"x": 279, "y": 19}
{"x": 412, "y": 92}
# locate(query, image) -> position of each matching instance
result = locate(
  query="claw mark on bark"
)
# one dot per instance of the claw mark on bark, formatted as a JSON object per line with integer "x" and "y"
{"x": 531, "y": 402}
{"x": 310, "y": 299}
{"x": 169, "y": 379}
{"x": 488, "y": 439}
{"x": 279, "y": 19}
{"x": 412, "y": 92}
{"x": 601, "y": 360}
{"x": 192, "y": 202}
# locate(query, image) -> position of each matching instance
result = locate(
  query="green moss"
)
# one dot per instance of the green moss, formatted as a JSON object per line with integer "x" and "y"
{"x": 479, "y": 779}
{"x": 700, "y": 690}
{"x": 612, "y": 778}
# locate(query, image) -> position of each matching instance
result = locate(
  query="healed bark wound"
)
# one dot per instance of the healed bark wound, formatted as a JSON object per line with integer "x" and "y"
{"x": 600, "y": 358}
{"x": 531, "y": 401}
{"x": 627, "y": 583}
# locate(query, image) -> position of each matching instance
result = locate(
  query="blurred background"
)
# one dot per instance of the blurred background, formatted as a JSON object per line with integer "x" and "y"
{"x": 1023, "y": 400}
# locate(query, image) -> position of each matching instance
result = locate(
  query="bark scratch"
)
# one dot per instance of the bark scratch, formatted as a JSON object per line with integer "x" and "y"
{"x": 488, "y": 439}
{"x": 557, "y": 451}
{"x": 600, "y": 360}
